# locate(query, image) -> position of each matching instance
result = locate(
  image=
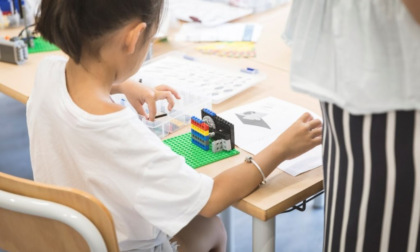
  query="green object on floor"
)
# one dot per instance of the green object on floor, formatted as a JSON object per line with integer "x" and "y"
{"x": 194, "y": 155}
{"x": 41, "y": 45}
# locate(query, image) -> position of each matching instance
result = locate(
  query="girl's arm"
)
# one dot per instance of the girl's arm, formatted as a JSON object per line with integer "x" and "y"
{"x": 239, "y": 181}
{"x": 413, "y": 7}
{"x": 139, "y": 94}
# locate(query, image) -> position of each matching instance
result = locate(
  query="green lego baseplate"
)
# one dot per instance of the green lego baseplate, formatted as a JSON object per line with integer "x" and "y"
{"x": 194, "y": 155}
{"x": 41, "y": 45}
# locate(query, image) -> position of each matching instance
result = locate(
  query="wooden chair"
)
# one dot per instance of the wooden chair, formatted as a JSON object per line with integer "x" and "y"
{"x": 40, "y": 217}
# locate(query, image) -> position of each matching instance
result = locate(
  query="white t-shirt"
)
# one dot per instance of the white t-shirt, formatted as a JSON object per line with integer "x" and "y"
{"x": 115, "y": 157}
{"x": 363, "y": 55}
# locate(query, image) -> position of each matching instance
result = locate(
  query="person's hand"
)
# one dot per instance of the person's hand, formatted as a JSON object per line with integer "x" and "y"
{"x": 139, "y": 94}
{"x": 301, "y": 136}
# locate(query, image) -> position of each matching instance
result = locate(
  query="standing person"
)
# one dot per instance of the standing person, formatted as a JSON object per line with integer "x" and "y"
{"x": 80, "y": 138}
{"x": 361, "y": 59}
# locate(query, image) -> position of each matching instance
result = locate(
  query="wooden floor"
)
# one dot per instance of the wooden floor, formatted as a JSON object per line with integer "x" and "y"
{"x": 295, "y": 231}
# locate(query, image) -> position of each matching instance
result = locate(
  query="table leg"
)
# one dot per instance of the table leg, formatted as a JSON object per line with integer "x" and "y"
{"x": 226, "y": 217}
{"x": 318, "y": 202}
{"x": 263, "y": 235}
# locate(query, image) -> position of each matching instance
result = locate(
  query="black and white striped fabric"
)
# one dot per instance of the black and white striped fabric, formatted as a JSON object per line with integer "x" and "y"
{"x": 371, "y": 181}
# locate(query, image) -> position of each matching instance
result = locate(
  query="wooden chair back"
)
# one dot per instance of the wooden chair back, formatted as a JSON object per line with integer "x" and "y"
{"x": 27, "y": 232}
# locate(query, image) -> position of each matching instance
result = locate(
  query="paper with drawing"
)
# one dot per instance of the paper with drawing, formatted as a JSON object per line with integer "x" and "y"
{"x": 258, "y": 124}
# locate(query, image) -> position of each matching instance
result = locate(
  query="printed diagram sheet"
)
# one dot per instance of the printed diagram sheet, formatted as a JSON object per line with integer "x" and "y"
{"x": 258, "y": 124}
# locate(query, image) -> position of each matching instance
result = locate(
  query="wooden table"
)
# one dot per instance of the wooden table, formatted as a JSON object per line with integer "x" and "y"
{"x": 282, "y": 190}
{"x": 273, "y": 58}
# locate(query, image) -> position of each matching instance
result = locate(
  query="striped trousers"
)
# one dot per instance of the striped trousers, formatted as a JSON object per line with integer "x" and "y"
{"x": 371, "y": 181}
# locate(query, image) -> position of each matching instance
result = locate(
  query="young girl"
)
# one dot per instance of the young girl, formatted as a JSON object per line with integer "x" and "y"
{"x": 80, "y": 138}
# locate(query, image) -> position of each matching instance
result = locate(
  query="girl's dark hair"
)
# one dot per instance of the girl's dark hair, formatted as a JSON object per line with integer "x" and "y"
{"x": 71, "y": 23}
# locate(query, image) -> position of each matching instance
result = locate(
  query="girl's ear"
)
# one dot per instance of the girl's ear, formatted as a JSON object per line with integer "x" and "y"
{"x": 134, "y": 33}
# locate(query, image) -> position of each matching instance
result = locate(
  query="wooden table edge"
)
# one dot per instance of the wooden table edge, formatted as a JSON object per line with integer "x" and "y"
{"x": 266, "y": 214}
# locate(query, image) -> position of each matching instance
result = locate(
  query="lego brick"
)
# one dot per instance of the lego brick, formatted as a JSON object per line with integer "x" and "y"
{"x": 200, "y": 136}
{"x": 194, "y": 155}
{"x": 41, "y": 45}
{"x": 201, "y": 131}
{"x": 209, "y": 112}
{"x": 202, "y": 146}
{"x": 221, "y": 144}
{"x": 222, "y": 128}
{"x": 200, "y": 140}
{"x": 199, "y": 123}
{"x": 15, "y": 52}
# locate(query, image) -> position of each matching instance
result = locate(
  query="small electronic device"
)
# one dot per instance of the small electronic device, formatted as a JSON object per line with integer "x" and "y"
{"x": 15, "y": 52}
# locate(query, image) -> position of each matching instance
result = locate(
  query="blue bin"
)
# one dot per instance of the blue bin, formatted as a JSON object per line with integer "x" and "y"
{"x": 6, "y": 8}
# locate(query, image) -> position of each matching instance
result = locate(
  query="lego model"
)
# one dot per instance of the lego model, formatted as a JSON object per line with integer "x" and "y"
{"x": 15, "y": 52}
{"x": 213, "y": 127}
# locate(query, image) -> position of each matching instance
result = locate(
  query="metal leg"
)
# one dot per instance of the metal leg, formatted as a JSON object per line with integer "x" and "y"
{"x": 263, "y": 235}
{"x": 318, "y": 202}
{"x": 226, "y": 217}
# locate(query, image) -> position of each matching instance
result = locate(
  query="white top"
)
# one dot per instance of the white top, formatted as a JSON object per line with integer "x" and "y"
{"x": 116, "y": 158}
{"x": 363, "y": 55}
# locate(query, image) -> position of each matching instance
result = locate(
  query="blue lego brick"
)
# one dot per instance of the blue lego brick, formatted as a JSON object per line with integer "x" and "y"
{"x": 204, "y": 147}
{"x": 208, "y": 111}
{"x": 201, "y": 141}
{"x": 6, "y": 6}
{"x": 199, "y": 135}
{"x": 196, "y": 119}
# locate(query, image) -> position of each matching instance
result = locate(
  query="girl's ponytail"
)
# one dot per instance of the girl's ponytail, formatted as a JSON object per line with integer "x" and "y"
{"x": 58, "y": 23}
{"x": 74, "y": 24}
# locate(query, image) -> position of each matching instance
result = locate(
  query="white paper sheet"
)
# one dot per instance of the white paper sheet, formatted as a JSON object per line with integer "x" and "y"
{"x": 207, "y": 13}
{"x": 226, "y": 32}
{"x": 258, "y": 124}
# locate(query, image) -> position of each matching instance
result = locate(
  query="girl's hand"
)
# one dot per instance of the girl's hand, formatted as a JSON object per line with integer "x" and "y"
{"x": 301, "y": 136}
{"x": 139, "y": 94}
